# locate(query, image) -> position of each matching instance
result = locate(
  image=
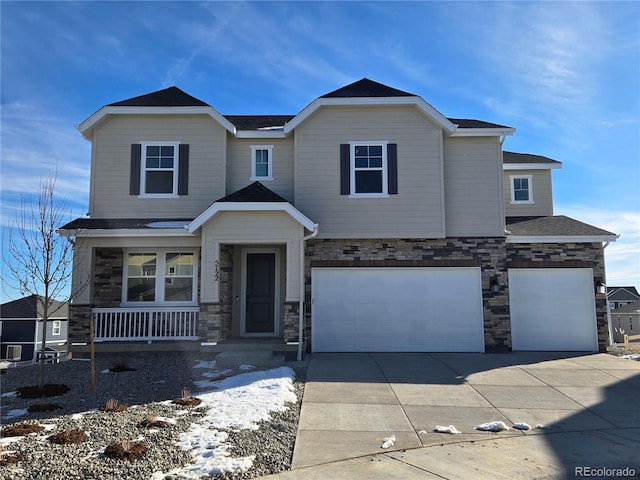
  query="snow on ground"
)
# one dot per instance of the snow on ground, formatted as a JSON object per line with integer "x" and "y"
{"x": 238, "y": 402}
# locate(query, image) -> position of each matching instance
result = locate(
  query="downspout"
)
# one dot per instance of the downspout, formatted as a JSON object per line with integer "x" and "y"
{"x": 303, "y": 242}
{"x": 604, "y": 280}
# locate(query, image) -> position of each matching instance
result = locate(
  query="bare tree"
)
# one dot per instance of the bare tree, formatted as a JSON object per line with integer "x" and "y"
{"x": 39, "y": 260}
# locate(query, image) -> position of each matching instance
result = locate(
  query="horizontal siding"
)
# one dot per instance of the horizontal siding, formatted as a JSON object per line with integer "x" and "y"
{"x": 472, "y": 169}
{"x": 416, "y": 211}
{"x": 239, "y": 164}
{"x": 542, "y": 194}
{"x": 112, "y": 156}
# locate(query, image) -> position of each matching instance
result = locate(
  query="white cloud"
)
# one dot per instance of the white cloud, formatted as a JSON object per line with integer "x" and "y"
{"x": 622, "y": 256}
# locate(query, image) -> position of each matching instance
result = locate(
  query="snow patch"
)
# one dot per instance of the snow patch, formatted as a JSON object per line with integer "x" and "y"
{"x": 18, "y": 412}
{"x": 203, "y": 364}
{"x": 450, "y": 430}
{"x": 389, "y": 441}
{"x": 10, "y": 394}
{"x": 166, "y": 225}
{"x": 522, "y": 426}
{"x": 492, "y": 427}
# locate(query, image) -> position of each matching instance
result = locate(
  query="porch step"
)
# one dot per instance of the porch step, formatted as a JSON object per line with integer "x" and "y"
{"x": 259, "y": 358}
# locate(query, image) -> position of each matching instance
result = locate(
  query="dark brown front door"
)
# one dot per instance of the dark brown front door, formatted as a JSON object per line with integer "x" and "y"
{"x": 260, "y": 301}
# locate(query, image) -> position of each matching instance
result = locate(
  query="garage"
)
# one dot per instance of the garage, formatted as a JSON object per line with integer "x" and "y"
{"x": 552, "y": 309}
{"x": 387, "y": 309}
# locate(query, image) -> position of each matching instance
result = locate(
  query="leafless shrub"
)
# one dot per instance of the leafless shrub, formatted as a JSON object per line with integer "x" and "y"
{"x": 68, "y": 436}
{"x": 112, "y": 405}
{"x": 125, "y": 450}
{"x": 186, "y": 399}
{"x": 21, "y": 429}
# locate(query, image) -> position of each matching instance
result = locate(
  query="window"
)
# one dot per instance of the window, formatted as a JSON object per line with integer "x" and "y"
{"x": 55, "y": 330}
{"x": 160, "y": 277}
{"x": 14, "y": 352}
{"x": 631, "y": 324}
{"x": 521, "y": 189}
{"x": 368, "y": 168}
{"x": 159, "y": 169}
{"x": 261, "y": 162}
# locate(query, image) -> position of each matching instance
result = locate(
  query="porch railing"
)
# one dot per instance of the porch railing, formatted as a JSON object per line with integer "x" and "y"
{"x": 135, "y": 324}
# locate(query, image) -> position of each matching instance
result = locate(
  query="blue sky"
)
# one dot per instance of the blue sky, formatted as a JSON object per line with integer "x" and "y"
{"x": 565, "y": 75}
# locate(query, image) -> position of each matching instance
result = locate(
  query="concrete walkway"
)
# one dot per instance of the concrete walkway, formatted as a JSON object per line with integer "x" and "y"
{"x": 589, "y": 404}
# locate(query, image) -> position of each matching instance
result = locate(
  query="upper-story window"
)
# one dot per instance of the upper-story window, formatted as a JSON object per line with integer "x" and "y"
{"x": 261, "y": 162}
{"x": 159, "y": 169}
{"x": 368, "y": 169}
{"x": 160, "y": 276}
{"x": 521, "y": 189}
{"x": 57, "y": 327}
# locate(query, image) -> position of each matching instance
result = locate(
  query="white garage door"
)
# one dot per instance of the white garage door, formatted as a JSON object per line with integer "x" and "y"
{"x": 397, "y": 310}
{"x": 553, "y": 309}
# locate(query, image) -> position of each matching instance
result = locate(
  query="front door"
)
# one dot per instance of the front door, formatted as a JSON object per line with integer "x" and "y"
{"x": 260, "y": 296}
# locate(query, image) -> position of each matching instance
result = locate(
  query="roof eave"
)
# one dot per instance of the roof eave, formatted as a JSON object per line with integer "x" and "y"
{"x": 531, "y": 166}
{"x": 260, "y": 134}
{"x": 86, "y": 128}
{"x": 483, "y": 132}
{"x": 431, "y": 112}
{"x": 219, "y": 207}
{"x": 125, "y": 232}
{"x": 561, "y": 238}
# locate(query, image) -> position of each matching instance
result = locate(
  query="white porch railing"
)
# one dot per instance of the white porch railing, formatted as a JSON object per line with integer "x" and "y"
{"x": 135, "y": 324}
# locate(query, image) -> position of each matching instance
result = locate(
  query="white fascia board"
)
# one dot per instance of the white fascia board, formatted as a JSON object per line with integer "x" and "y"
{"x": 260, "y": 134}
{"x": 86, "y": 127}
{"x": 250, "y": 207}
{"x": 483, "y": 132}
{"x": 531, "y": 166}
{"x": 124, "y": 232}
{"x": 560, "y": 238}
{"x": 427, "y": 109}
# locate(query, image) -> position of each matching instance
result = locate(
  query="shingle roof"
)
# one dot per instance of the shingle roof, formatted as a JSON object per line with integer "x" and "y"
{"x": 256, "y": 192}
{"x": 367, "y": 88}
{"x": 29, "y": 307}
{"x": 513, "y": 157}
{"x": 557, "y": 225}
{"x": 169, "y": 97}
{"x": 470, "y": 123}
{"x": 124, "y": 223}
{"x": 258, "y": 122}
{"x": 628, "y": 308}
{"x": 622, "y": 293}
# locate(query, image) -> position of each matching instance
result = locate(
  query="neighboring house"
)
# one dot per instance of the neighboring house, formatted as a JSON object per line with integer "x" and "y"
{"x": 621, "y": 296}
{"x": 21, "y": 329}
{"x": 626, "y": 320}
{"x": 388, "y": 225}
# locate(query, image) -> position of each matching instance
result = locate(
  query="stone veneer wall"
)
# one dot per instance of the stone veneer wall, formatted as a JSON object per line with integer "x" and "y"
{"x": 290, "y": 321}
{"x": 567, "y": 255}
{"x": 487, "y": 253}
{"x": 215, "y": 318}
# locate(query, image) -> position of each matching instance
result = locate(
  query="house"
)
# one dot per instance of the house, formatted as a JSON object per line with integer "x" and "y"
{"x": 368, "y": 221}
{"x": 21, "y": 329}
{"x": 621, "y": 296}
{"x": 626, "y": 320}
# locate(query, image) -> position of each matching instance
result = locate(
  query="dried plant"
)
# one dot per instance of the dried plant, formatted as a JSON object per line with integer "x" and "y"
{"x": 21, "y": 429}
{"x": 68, "y": 436}
{"x": 112, "y": 405}
{"x": 186, "y": 399}
{"x": 9, "y": 458}
{"x": 152, "y": 420}
{"x": 125, "y": 450}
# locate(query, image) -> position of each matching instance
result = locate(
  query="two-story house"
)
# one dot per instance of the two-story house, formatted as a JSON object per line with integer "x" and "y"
{"x": 368, "y": 221}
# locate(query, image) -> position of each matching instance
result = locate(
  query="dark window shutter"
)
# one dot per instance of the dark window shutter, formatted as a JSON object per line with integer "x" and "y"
{"x": 134, "y": 180}
{"x": 345, "y": 169}
{"x": 183, "y": 170}
{"x": 392, "y": 168}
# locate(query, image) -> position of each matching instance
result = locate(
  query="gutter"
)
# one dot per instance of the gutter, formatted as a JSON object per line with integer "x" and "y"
{"x": 303, "y": 241}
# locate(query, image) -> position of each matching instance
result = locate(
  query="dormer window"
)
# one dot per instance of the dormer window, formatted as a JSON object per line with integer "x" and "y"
{"x": 261, "y": 162}
{"x": 521, "y": 189}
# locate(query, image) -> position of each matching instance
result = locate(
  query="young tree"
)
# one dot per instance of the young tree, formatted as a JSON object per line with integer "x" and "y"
{"x": 38, "y": 260}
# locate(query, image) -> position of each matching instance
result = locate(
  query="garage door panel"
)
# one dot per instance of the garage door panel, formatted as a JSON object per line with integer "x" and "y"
{"x": 397, "y": 309}
{"x": 552, "y": 309}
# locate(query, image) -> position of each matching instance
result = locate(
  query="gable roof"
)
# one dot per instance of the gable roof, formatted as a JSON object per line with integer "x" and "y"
{"x": 557, "y": 228}
{"x": 252, "y": 198}
{"x": 366, "y": 88}
{"x": 31, "y": 307}
{"x": 622, "y": 293}
{"x": 169, "y": 97}
{"x": 528, "y": 161}
{"x": 256, "y": 192}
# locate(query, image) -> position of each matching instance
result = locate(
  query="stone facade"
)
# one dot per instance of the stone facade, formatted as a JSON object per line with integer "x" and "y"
{"x": 290, "y": 321}
{"x": 216, "y": 318}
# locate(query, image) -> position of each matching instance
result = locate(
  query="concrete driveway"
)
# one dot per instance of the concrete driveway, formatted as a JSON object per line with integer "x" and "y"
{"x": 589, "y": 404}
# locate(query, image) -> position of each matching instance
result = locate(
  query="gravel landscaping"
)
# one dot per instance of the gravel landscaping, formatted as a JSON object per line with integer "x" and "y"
{"x": 148, "y": 386}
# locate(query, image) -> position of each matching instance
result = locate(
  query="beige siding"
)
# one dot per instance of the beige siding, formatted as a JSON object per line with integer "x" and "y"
{"x": 472, "y": 178}
{"x": 417, "y": 210}
{"x": 239, "y": 164}
{"x": 542, "y": 195}
{"x": 251, "y": 228}
{"x": 112, "y": 158}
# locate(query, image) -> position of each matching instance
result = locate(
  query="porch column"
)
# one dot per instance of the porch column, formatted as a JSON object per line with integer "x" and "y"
{"x": 210, "y": 273}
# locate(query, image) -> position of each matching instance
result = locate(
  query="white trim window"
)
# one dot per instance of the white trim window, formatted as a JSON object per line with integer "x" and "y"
{"x": 521, "y": 188}
{"x": 261, "y": 162}
{"x": 368, "y": 169}
{"x": 163, "y": 277}
{"x": 159, "y": 169}
{"x": 14, "y": 352}
{"x": 56, "y": 328}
